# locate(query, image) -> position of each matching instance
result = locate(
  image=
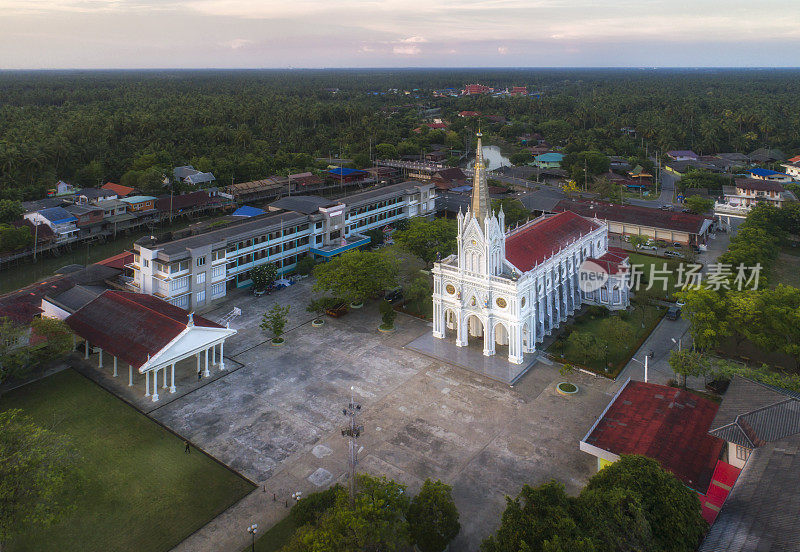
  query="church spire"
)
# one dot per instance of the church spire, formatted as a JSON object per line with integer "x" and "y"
{"x": 480, "y": 188}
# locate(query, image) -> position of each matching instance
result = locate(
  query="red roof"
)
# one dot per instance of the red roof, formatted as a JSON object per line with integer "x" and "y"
{"x": 795, "y": 159}
{"x": 532, "y": 244}
{"x": 667, "y": 424}
{"x": 118, "y": 189}
{"x": 612, "y": 260}
{"x": 183, "y": 201}
{"x": 634, "y": 214}
{"x": 131, "y": 326}
{"x": 118, "y": 261}
{"x": 468, "y": 113}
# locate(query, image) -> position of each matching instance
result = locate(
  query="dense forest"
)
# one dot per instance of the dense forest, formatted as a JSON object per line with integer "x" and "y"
{"x": 133, "y": 126}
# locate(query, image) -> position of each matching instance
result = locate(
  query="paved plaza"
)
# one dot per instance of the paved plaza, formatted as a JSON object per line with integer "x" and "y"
{"x": 274, "y": 415}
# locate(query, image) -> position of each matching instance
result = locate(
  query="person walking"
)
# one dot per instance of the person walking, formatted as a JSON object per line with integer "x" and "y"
{"x": 199, "y": 375}
{"x": 188, "y": 449}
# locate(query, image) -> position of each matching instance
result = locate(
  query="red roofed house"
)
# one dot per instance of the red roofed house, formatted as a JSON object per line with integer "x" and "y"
{"x": 149, "y": 335}
{"x": 671, "y": 426}
{"x": 468, "y": 114}
{"x": 470, "y": 89}
{"x": 119, "y": 189}
{"x": 505, "y": 291}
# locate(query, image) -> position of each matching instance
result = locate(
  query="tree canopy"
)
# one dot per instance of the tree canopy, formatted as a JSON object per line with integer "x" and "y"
{"x": 428, "y": 239}
{"x": 356, "y": 276}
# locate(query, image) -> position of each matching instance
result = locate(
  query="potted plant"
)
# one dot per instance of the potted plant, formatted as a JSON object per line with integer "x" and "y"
{"x": 388, "y": 315}
{"x": 319, "y": 306}
{"x": 274, "y": 321}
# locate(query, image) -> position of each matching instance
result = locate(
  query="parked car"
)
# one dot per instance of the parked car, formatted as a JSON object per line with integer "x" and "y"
{"x": 671, "y": 253}
{"x": 666, "y": 207}
{"x": 395, "y": 295}
{"x": 673, "y": 313}
{"x": 677, "y": 244}
{"x": 647, "y": 246}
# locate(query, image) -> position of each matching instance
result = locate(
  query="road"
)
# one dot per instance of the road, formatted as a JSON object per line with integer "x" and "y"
{"x": 668, "y": 181}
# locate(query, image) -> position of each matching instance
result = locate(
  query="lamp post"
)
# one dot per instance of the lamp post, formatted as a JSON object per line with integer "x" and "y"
{"x": 678, "y": 342}
{"x": 253, "y": 529}
{"x": 647, "y": 356}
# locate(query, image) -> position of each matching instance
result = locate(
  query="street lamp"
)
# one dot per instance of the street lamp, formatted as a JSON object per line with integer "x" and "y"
{"x": 253, "y": 529}
{"x": 678, "y": 342}
{"x": 647, "y": 356}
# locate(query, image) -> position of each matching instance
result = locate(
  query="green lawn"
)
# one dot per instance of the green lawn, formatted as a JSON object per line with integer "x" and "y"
{"x": 786, "y": 269}
{"x": 617, "y": 356}
{"x": 647, "y": 262}
{"x": 276, "y": 537}
{"x": 141, "y": 492}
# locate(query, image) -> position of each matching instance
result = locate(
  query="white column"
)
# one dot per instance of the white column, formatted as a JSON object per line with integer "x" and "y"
{"x": 86, "y": 355}
{"x": 488, "y": 338}
{"x": 515, "y": 352}
{"x": 115, "y": 367}
{"x": 205, "y": 372}
{"x": 461, "y": 330}
{"x": 155, "y": 385}
{"x": 100, "y": 361}
{"x": 198, "y": 361}
{"x": 214, "y": 355}
{"x": 130, "y": 375}
{"x": 221, "y": 357}
{"x": 147, "y": 383}
{"x": 172, "y": 379}
{"x": 438, "y": 322}
{"x": 164, "y": 386}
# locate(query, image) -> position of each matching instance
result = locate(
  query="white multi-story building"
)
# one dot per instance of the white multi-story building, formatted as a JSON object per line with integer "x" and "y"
{"x": 191, "y": 272}
{"x": 512, "y": 289}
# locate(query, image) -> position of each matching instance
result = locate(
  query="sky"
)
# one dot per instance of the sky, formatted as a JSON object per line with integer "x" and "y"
{"x": 126, "y": 34}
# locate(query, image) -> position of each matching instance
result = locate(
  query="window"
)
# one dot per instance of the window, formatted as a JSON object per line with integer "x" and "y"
{"x": 218, "y": 289}
{"x": 201, "y": 261}
{"x": 201, "y": 278}
{"x": 200, "y": 296}
{"x": 217, "y": 255}
{"x": 146, "y": 263}
{"x": 742, "y": 453}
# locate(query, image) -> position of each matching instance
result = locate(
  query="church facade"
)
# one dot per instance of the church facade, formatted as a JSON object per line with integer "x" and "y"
{"x": 510, "y": 289}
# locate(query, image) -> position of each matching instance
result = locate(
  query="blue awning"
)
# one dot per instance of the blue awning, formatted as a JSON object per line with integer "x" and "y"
{"x": 331, "y": 251}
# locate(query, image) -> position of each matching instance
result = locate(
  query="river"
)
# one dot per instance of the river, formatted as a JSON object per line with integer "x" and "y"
{"x": 493, "y": 158}
{"x": 26, "y": 272}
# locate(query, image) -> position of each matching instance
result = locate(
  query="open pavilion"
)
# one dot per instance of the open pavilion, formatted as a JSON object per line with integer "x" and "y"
{"x": 150, "y": 335}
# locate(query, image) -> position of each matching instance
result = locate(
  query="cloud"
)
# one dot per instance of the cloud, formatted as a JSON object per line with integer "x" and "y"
{"x": 413, "y": 40}
{"x": 502, "y": 50}
{"x": 406, "y": 50}
{"x": 237, "y": 43}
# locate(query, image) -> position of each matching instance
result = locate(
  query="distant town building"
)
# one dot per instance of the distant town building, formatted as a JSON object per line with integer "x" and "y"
{"x": 471, "y": 89}
{"x": 682, "y": 155}
{"x": 550, "y": 160}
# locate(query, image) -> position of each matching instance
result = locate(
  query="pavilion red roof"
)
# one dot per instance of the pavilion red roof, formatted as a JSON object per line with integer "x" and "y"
{"x": 664, "y": 423}
{"x": 532, "y": 244}
{"x": 131, "y": 326}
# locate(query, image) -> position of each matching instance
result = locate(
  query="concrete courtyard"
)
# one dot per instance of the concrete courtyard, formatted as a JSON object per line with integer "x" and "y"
{"x": 275, "y": 416}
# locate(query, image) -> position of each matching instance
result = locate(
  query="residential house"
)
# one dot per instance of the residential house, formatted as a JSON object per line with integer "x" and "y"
{"x": 468, "y": 114}
{"x": 760, "y": 426}
{"x": 792, "y": 168}
{"x": 550, "y": 160}
{"x": 682, "y": 155}
{"x": 748, "y": 192}
{"x": 140, "y": 203}
{"x": 766, "y": 155}
{"x": 61, "y": 189}
{"x": 768, "y": 174}
{"x": 87, "y": 196}
{"x": 89, "y": 218}
{"x": 191, "y": 176}
{"x": 444, "y": 179}
{"x": 60, "y": 221}
{"x": 258, "y": 190}
{"x": 345, "y": 175}
{"x": 118, "y": 189}
{"x": 518, "y": 91}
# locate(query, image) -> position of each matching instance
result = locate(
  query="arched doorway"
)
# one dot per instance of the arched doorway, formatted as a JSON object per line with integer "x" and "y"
{"x": 474, "y": 331}
{"x": 501, "y": 339}
{"x": 450, "y": 324}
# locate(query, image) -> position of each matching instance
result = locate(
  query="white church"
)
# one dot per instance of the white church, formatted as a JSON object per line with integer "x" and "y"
{"x": 508, "y": 290}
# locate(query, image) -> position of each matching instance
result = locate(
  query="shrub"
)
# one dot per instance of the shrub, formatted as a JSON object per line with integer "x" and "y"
{"x": 310, "y": 508}
{"x": 388, "y": 314}
{"x": 305, "y": 266}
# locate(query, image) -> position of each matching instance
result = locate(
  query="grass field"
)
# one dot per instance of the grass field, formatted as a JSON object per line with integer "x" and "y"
{"x": 140, "y": 491}
{"x": 648, "y": 263}
{"x": 786, "y": 269}
{"x": 276, "y": 537}
{"x": 617, "y": 356}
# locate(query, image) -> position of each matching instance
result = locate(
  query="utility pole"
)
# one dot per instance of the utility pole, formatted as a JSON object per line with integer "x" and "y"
{"x": 585, "y": 176}
{"x": 352, "y": 432}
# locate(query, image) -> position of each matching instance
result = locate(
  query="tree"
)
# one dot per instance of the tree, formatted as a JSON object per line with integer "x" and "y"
{"x": 305, "y": 265}
{"x": 614, "y": 333}
{"x": 375, "y": 237}
{"x": 376, "y": 524}
{"x": 388, "y": 314}
{"x": 583, "y": 347}
{"x": 671, "y": 508}
{"x": 263, "y": 276}
{"x": 513, "y": 209}
{"x": 386, "y": 151}
{"x": 56, "y": 339}
{"x": 688, "y": 363}
{"x": 38, "y": 474}
{"x": 274, "y": 321}
{"x": 699, "y": 178}
{"x": 10, "y": 210}
{"x": 428, "y": 239}
{"x": 12, "y": 239}
{"x": 707, "y": 312}
{"x": 14, "y": 352}
{"x": 521, "y": 158}
{"x": 419, "y": 291}
{"x": 698, "y": 204}
{"x": 637, "y": 241}
{"x": 616, "y": 520}
{"x": 356, "y": 275}
{"x": 433, "y": 517}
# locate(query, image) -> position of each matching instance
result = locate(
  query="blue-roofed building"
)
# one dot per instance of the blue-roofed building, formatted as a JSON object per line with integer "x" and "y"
{"x": 769, "y": 174}
{"x": 343, "y": 174}
{"x": 59, "y": 220}
{"x": 550, "y": 160}
{"x": 247, "y": 211}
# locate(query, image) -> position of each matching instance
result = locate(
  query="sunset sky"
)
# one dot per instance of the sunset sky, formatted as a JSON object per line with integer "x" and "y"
{"x": 397, "y": 33}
